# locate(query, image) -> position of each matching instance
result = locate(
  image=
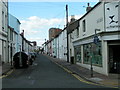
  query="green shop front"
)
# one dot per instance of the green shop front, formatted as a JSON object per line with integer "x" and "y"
{"x": 86, "y": 52}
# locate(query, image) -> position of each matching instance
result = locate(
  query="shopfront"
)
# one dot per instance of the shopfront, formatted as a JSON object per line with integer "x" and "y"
{"x": 114, "y": 56}
{"x": 90, "y": 52}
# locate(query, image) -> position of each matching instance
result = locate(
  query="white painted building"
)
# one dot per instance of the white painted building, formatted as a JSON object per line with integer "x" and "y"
{"x": 11, "y": 43}
{"x": 102, "y": 19}
{"x": 57, "y": 47}
{"x": 25, "y": 45}
{"x": 73, "y": 30}
{"x": 62, "y": 45}
{"x": 3, "y": 29}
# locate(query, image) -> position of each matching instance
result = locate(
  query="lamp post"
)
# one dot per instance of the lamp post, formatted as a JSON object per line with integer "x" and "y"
{"x": 95, "y": 40}
{"x": 91, "y": 66}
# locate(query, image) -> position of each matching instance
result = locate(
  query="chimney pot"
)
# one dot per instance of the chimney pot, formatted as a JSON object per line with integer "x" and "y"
{"x": 88, "y": 7}
{"x": 72, "y": 18}
{"x": 88, "y": 4}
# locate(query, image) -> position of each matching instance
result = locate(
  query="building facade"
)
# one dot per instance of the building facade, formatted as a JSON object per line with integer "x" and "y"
{"x": 57, "y": 46}
{"x": 11, "y": 43}
{"x": 100, "y": 53}
{"x": 15, "y": 24}
{"x": 94, "y": 39}
{"x": 25, "y": 45}
{"x": 3, "y": 30}
{"x": 73, "y": 32}
{"x": 53, "y": 32}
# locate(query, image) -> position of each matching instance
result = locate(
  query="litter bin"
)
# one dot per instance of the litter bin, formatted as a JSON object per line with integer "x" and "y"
{"x": 72, "y": 60}
{"x": 20, "y": 60}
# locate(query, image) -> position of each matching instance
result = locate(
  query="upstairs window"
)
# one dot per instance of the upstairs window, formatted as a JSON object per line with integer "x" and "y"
{"x": 84, "y": 26}
{"x": 77, "y": 32}
{"x": 3, "y": 21}
{"x": 6, "y": 23}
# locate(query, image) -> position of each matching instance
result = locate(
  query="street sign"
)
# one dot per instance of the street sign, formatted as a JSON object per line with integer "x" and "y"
{"x": 96, "y": 39}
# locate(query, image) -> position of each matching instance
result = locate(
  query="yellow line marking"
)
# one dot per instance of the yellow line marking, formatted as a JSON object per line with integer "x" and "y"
{"x": 63, "y": 68}
{"x": 79, "y": 78}
{"x": 7, "y": 74}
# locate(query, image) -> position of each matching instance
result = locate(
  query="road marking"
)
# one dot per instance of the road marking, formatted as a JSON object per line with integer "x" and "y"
{"x": 79, "y": 78}
{"x": 82, "y": 80}
{"x": 7, "y": 74}
{"x": 63, "y": 68}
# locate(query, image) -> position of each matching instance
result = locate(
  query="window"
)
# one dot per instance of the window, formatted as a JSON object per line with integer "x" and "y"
{"x": 84, "y": 25}
{"x": 6, "y": 23}
{"x": 11, "y": 35}
{"x": 3, "y": 21}
{"x": 70, "y": 38}
{"x": 77, "y": 32}
{"x": 92, "y": 50}
{"x": 86, "y": 53}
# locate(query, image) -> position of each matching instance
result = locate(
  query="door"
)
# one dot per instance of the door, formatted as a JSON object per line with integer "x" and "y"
{"x": 114, "y": 59}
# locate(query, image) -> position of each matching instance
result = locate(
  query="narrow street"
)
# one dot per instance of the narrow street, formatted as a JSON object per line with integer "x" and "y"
{"x": 43, "y": 74}
{"x": 62, "y": 44}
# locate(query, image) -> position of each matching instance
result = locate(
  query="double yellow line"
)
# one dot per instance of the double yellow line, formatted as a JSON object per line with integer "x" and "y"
{"x": 7, "y": 74}
{"x": 79, "y": 78}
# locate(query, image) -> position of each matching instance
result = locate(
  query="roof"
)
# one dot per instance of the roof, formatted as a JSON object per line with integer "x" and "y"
{"x": 73, "y": 26}
{"x": 15, "y": 18}
{"x": 12, "y": 29}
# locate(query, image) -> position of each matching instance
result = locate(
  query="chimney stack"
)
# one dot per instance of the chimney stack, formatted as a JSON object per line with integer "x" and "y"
{"x": 88, "y": 7}
{"x": 72, "y": 18}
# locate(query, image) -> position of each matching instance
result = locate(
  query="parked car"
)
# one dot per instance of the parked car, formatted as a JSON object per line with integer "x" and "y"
{"x": 32, "y": 57}
{"x": 35, "y": 54}
{"x": 20, "y": 60}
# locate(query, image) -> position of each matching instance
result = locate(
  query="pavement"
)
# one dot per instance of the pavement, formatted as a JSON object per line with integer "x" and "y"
{"x": 4, "y": 68}
{"x": 112, "y": 80}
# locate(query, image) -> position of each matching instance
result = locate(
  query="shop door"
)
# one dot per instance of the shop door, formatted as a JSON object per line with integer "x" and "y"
{"x": 114, "y": 59}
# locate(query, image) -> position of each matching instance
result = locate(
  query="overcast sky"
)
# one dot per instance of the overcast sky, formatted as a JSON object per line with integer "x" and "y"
{"x": 37, "y": 16}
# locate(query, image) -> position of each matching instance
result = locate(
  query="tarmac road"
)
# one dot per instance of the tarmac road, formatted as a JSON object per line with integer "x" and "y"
{"x": 43, "y": 74}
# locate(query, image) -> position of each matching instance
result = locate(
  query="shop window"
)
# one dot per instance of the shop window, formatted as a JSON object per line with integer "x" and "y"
{"x": 97, "y": 55}
{"x": 86, "y": 54}
{"x": 94, "y": 51}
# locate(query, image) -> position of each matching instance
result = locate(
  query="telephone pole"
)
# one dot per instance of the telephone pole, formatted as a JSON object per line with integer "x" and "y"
{"x": 67, "y": 33}
{"x": 66, "y": 15}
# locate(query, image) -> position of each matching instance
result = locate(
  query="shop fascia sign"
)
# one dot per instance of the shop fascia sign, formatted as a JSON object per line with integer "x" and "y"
{"x": 111, "y": 16}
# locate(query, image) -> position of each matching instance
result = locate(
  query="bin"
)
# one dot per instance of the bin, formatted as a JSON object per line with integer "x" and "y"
{"x": 72, "y": 60}
{"x": 20, "y": 60}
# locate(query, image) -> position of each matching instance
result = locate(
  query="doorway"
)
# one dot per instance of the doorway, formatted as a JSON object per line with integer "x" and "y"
{"x": 114, "y": 59}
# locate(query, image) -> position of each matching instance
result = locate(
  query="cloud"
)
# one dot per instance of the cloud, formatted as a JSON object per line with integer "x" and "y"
{"x": 35, "y": 24}
{"x": 36, "y": 28}
{"x": 78, "y": 16}
{"x": 39, "y": 40}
